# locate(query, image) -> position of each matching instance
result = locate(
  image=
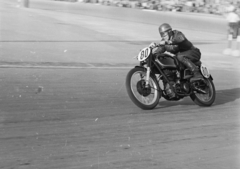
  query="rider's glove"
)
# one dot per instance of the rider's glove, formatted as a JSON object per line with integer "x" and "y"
{"x": 162, "y": 42}
{"x": 153, "y": 45}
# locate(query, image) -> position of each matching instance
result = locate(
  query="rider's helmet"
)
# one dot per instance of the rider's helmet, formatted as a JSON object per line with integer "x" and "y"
{"x": 164, "y": 29}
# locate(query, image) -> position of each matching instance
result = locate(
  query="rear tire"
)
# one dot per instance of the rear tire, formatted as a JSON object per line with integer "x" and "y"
{"x": 209, "y": 97}
{"x": 145, "y": 98}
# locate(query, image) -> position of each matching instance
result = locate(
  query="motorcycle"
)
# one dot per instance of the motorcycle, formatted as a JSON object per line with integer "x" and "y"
{"x": 162, "y": 75}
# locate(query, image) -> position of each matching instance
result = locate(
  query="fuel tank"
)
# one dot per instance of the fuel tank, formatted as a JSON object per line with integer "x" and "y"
{"x": 166, "y": 61}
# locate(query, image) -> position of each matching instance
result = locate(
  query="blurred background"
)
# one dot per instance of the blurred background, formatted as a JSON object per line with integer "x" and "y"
{"x": 218, "y": 7}
{"x": 63, "y": 99}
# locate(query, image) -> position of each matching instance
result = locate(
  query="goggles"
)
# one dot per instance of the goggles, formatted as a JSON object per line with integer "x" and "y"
{"x": 163, "y": 34}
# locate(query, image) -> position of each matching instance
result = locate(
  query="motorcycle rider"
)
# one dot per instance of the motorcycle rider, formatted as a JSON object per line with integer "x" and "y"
{"x": 175, "y": 42}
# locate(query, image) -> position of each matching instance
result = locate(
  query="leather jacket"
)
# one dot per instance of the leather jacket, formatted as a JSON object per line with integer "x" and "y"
{"x": 177, "y": 43}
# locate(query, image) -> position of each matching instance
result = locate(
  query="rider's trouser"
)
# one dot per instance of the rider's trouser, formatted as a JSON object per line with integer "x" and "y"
{"x": 193, "y": 55}
{"x": 188, "y": 58}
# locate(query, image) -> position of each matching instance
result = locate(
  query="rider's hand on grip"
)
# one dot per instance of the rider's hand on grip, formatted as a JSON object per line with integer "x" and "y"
{"x": 153, "y": 45}
{"x": 162, "y": 42}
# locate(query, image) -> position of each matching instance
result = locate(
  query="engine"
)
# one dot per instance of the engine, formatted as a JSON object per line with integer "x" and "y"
{"x": 172, "y": 77}
{"x": 171, "y": 74}
{"x": 181, "y": 87}
{"x": 169, "y": 92}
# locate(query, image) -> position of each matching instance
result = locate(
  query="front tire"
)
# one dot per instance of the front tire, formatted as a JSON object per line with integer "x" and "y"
{"x": 205, "y": 99}
{"x": 144, "y": 97}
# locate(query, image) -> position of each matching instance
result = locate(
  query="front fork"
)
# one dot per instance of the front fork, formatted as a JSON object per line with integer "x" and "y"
{"x": 148, "y": 71}
{"x": 147, "y": 76}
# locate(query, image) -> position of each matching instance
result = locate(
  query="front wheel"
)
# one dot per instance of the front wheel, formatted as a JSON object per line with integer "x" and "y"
{"x": 205, "y": 99}
{"x": 145, "y": 97}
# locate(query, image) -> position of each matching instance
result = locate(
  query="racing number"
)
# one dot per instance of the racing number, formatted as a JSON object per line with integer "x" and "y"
{"x": 144, "y": 53}
{"x": 205, "y": 72}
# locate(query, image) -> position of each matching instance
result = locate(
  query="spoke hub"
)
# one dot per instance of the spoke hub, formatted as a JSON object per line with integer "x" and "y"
{"x": 142, "y": 89}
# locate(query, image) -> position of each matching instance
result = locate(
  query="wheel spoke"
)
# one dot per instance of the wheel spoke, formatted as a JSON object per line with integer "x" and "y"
{"x": 206, "y": 97}
{"x": 145, "y": 100}
{"x": 149, "y": 98}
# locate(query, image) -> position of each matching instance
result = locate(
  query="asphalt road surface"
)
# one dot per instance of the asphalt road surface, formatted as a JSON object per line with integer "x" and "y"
{"x": 63, "y": 102}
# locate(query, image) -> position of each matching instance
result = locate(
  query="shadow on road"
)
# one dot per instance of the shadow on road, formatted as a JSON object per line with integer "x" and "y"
{"x": 222, "y": 97}
{"x": 226, "y": 96}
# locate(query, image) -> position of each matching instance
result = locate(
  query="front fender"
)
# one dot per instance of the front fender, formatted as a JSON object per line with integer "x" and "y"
{"x": 141, "y": 67}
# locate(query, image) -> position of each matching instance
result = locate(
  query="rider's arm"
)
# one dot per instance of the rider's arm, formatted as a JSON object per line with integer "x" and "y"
{"x": 160, "y": 49}
{"x": 172, "y": 48}
{"x": 172, "y": 45}
{"x": 168, "y": 48}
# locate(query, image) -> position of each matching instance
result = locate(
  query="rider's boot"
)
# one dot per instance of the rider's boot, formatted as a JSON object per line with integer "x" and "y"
{"x": 193, "y": 68}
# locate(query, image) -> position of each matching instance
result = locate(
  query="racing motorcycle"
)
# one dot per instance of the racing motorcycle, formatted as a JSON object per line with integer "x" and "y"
{"x": 162, "y": 75}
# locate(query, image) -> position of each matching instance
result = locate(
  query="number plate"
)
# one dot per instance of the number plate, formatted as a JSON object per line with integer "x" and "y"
{"x": 205, "y": 72}
{"x": 143, "y": 54}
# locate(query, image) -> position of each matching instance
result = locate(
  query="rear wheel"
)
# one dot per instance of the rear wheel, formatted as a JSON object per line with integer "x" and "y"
{"x": 205, "y": 99}
{"x": 145, "y": 97}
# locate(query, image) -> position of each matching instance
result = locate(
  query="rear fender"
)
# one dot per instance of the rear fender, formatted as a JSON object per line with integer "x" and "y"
{"x": 210, "y": 77}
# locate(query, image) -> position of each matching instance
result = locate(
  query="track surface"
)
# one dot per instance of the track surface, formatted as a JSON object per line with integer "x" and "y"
{"x": 63, "y": 103}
